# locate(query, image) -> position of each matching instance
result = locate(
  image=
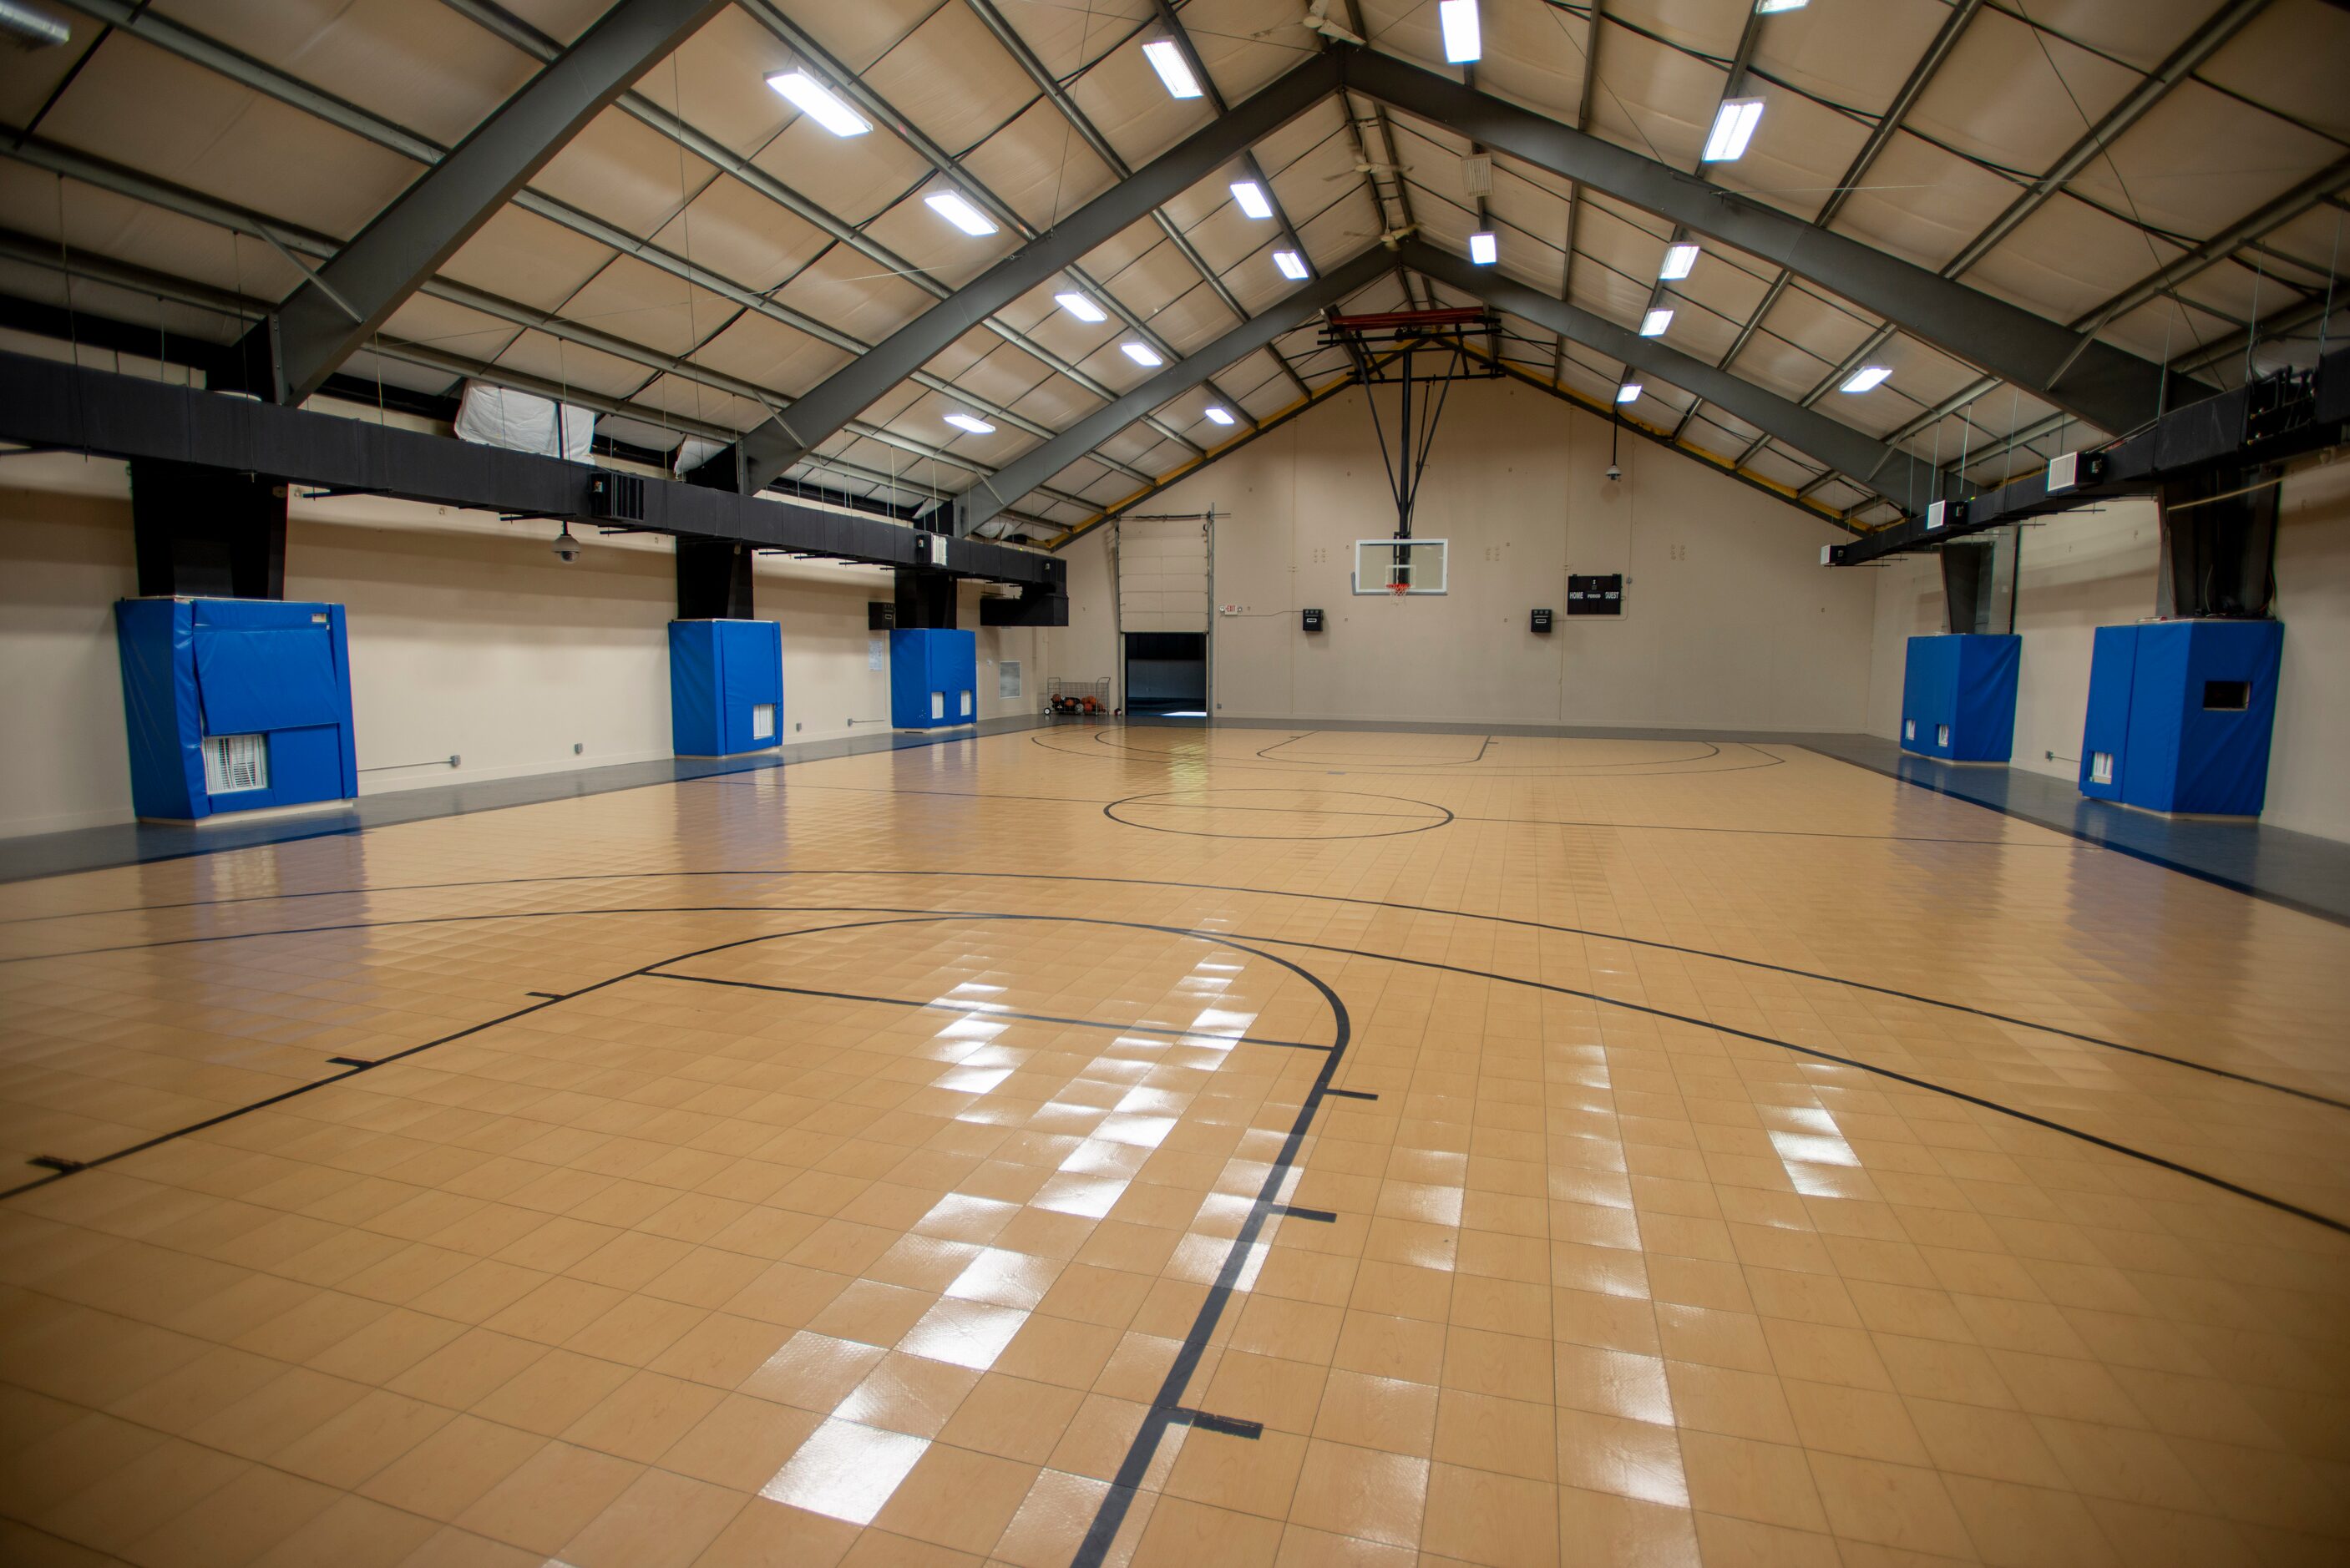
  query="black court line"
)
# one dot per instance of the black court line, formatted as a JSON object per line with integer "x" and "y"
{"x": 989, "y": 1009}
{"x": 1876, "y": 990}
{"x": 1228, "y": 1425}
{"x": 1353, "y": 1095}
{"x": 1571, "y": 770}
{"x": 1483, "y": 743}
{"x": 1154, "y": 801}
{"x": 1326, "y": 1216}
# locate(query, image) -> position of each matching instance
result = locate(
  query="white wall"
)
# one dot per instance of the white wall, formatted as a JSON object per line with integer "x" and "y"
{"x": 1731, "y": 622}
{"x": 468, "y": 638}
{"x": 2097, "y": 567}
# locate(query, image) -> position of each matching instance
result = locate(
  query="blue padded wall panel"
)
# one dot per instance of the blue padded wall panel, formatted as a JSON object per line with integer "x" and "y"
{"x": 2157, "y": 679}
{"x": 718, "y": 671}
{"x": 2113, "y": 671}
{"x": 195, "y": 667}
{"x": 1958, "y": 697}
{"x": 924, "y": 663}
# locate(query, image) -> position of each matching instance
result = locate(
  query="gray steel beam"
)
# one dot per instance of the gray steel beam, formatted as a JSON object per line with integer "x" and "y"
{"x": 1574, "y": 198}
{"x": 335, "y": 311}
{"x": 1836, "y": 444}
{"x": 984, "y": 500}
{"x": 47, "y": 404}
{"x": 857, "y": 386}
{"x": 2107, "y": 384}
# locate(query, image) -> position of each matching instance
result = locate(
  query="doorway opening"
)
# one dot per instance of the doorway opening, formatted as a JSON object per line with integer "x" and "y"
{"x": 1166, "y": 674}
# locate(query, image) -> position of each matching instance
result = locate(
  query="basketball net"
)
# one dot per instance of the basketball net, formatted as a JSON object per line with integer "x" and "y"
{"x": 1398, "y": 589}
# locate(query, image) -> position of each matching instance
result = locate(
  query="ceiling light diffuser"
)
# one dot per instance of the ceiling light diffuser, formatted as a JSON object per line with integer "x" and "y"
{"x": 1733, "y": 128}
{"x": 1771, "y": 7}
{"x": 1292, "y": 265}
{"x": 1078, "y": 305}
{"x": 1251, "y": 196}
{"x": 1463, "y": 40}
{"x": 1629, "y": 392}
{"x": 1866, "y": 377}
{"x": 1679, "y": 260}
{"x": 1167, "y": 58}
{"x": 1142, "y": 354}
{"x": 1217, "y": 416}
{"x": 957, "y": 210}
{"x": 816, "y": 100}
{"x": 1653, "y": 325}
{"x": 966, "y": 422}
{"x": 1483, "y": 249}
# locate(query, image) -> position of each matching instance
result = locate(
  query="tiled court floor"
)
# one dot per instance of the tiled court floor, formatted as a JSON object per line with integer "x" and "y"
{"x": 1098, "y": 1144}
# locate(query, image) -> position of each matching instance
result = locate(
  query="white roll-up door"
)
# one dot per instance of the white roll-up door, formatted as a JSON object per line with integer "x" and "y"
{"x": 1163, "y": 576}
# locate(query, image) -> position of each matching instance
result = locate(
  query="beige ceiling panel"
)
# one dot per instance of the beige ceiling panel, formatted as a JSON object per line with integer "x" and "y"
{"x": 1123, "y": 98}
{"x": 572, "y": 366}
{"x": 2016, "y": 98}
{"x": 1922, "y": 204}
{"x": 1719, "y": 286}
{"x": 852, "y": 178}
{"x": 2161, "y": 331}
{"x": 1056, "y": 403}
{"x": 642, "y": 303}
{"x": 2319, "y": 240}
{"x": 1006, "y": 376}
{"x": 691, "y": 399}
{"x": 1779, "y": 469}
{"x": 1193, "y": 319}
{"x": 740, "y": 235}
{"x": 1151, "y": 280}
{"x": 2289, "y": 57}
{"x": 139, "y": 107}
{"x": 45, "y": 286}
{"x": 1246, "y": 43}
{"x": 924, "y": 421}
{"x": 1660, "y": 102}
{"x": 766, "y": 353}
{"x": 1857, "y": 55}
{"x": 918, "y": 235}
{"x": 858, "y": 34}
{"x": 562, "y": 20}
{"x": 717, "y": 82}
{"x": 847, "y": 289}
{"x": 2198, "y": 159}
{"x": 436, "y": 324}
{"x": 28, "y": 77}
{"x": 2142, "y": 32}
{"x": 1060, "y": 333}
{"x": 119, "y": 228}
{"x": 2066, "y": 259}
{"x": 1798, "y": 157}
{"x": 1039, "y": 167}
{"x": 396, "y": 372}
{"x": 952, "y": 80}
{"x": 525, "y": 257}
{"x": 422, "y": 66}
{"x": 623, "y": 171}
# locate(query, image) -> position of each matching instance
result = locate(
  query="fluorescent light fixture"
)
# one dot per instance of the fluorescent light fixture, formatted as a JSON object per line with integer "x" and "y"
{"x": 1167, "y": 58}
{"x": 1629, "y": 392}
{"x": 1733, "y": 128}
{"x": 966, "y": 422}
{"x": 816, "y": 100}
{"x": 1865, "y": 378}
{"x": 1772, "y": 7}
{"x": 1251, "y": 196}
{"x": 957, "y": 210}
{"x": 1653, "y": 325}
{"x": 1142, "y": 354}
{"x": 1217, "y": 416}
{"x": 1463, "y": 40}
{"x": 1078, "y": 305}
{"x": 1679, "y": 260}
{"x": 1483, "y": 249}
{"x": 1292, "y": 265}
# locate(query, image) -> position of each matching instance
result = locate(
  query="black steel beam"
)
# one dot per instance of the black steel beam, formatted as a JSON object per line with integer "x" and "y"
{"x": 2109, "y": 387}
{"x": 848, "y": 392}
{"x": 2234, "y": 428}
{"x": 1829, "y": 441}
{"x": 985, "y": 500}
{"x": 341, "y": 304}
{"x": 53, "y": 406}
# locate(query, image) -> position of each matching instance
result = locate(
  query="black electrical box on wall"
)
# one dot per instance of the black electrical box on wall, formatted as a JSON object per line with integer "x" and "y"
{"x": 1596, "y": 595}
{"x": 1541, "y": 620}
{"x": 880, "y": 615}
{"x": 1313, "y": 621}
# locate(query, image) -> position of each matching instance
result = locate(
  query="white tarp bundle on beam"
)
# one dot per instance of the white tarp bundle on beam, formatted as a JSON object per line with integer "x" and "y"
{"x": 500, "y": 416}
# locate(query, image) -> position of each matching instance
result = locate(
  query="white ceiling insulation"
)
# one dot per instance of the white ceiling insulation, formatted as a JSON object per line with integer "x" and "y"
{"x": 700, "y": 254}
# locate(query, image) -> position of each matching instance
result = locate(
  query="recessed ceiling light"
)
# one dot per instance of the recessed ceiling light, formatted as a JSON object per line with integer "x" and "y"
{"x": 1629, "y": 392}
{"x": 1484, "y": 250}
{"x": 1653, "y": 325}
{"x": 1679, "y": 260}
{"x": 1251, "y": 196}
{"x": 1292, "y": 265}
{"x": 1083, "y": 309}
{"x": 816, "y": 100}
{"x": 1142, "y": 354}
{"x": 1217, "y": 416}
{"x": 1771, "y": 7}
{"x": 955, "y": 209}
{"x": 1733, "y": 128}
{"x": 966, "y": 422}
{"x": 1463, "y": 42}
{"x": 1167, "y": 58}
{"x": 1866, "y": 377}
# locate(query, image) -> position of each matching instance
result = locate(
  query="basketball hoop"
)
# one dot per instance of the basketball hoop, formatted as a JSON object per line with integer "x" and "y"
{"x": 1398, "y": 589}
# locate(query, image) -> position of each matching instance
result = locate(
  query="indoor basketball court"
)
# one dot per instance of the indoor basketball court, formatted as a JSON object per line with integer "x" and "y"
{"x": 1175, "y": 781}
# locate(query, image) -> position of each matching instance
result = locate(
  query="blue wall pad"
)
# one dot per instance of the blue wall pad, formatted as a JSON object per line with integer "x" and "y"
{"x": 725, "y": 686}
{"x": 933, "y": 679}
{"x": 235, "y": 705}
{"x": 2180, "y": 713}
{"x": 1958, "y": 697}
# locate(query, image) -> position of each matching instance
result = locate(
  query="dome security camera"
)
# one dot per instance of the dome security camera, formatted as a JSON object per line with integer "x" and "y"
{"x": 566, "y": 548}
{"x": 1614, "y": 474}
